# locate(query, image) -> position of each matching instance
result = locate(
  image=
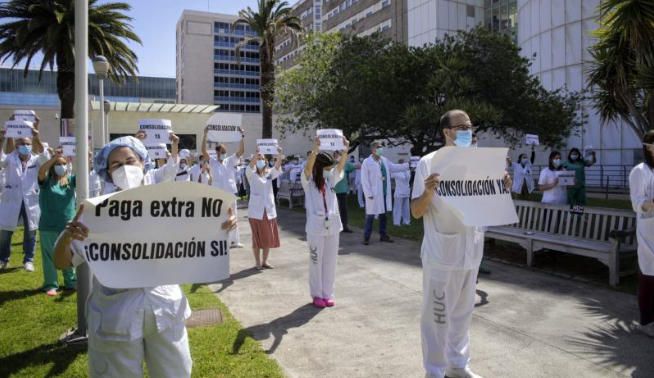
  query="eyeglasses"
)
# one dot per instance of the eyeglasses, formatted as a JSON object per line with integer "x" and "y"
{"x": 463, "y": 126}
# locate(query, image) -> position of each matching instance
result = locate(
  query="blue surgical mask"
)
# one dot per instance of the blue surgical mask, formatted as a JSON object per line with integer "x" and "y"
{"x": 60, "y": 170}
{"x": 223, "y": 156}
{"x": 24, "y": 149}
{"x": 261, "y": 164}
{"x": 556, "y": 163}
{"x": 463, "y": 138}
{"x": 379, "y": 151}
{"x": 574, "y": 157}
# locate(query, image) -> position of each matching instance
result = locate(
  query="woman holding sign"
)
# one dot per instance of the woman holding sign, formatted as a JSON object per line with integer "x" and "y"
{"x": 129, "y": 326}
{"x": 262, "y": 213}
{"x": 57, "y": 201}
{"x": 323, "y": 221}
{"x": 548, "y": 182}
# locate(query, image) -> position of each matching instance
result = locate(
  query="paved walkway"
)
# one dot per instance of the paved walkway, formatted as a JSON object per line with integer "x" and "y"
{"x": 526, "y": 324}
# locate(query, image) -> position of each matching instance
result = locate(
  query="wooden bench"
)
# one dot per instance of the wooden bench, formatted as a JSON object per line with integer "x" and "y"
{"x": 291, "y": 192}
{"x": 607, "y": 235}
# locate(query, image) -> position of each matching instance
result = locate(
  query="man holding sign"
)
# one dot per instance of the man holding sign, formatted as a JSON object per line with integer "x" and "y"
{"x": 451, "y": 249}
{"x": 20, "y": 196}
{"x": 223, "y": 169}
{"x": 128, "y": 325}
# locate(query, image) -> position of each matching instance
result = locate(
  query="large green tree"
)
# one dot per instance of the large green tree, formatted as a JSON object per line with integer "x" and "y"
{"x": 44, "y": 29}
{"x": 622, "y": 76}
{"x": 272, "y": 19}
{"x": 373, "y": 88}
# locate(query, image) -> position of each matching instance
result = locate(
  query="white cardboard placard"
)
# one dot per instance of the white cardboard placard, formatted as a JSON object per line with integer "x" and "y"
{"x": 157, "y": 131}
{"x": 331, "y": 139}
{"x": 532, "y": 139}
{"x": 225, "y": 127}
{"x": 267, "y": 146}
{"x": 18, "y": 129}
{"x": 566, "y": 178}
{"x": 68, "y": 145}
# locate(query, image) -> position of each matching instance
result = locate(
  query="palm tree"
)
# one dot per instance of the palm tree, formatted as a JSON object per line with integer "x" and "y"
{"x": 35, "y": 28}
{"x": 624, "y": 59}
{"x": 273, "y": 18}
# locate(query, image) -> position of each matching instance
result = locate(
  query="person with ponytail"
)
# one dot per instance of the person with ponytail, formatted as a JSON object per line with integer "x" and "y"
{"x": 321, "y": 174}
{"x": 57, "y": 203}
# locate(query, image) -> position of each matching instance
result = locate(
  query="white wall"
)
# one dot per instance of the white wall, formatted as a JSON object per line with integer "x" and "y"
{"x": 432, "y": 19}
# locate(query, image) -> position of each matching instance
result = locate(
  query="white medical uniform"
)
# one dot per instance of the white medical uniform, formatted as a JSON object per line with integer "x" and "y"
{"x": 372, "y": 184}
{"x": 95, "y": 184}
{"x": 451, "y": 253}
{"x": 520, "y": 174}
{"x": 197, "y": 176}
{"x": 183, "y": 174}
{"x": 21, "y": 186}
{"x": 555, "y": 196}
{"x": 223, "y": 177}
{"x": 323, "y": 229}
{"x": 262, "y": 197}
{"x": 401, "y": 207}
{"x": 357, "y": 184}
{"x": 641, "y": 189}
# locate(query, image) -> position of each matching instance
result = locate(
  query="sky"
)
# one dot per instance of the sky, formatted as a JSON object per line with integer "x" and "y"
{"x": 154, "y": 21}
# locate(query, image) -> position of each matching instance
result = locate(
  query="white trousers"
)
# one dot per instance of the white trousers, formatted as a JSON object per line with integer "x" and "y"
{"x": 401, "y": 213}
{"x": 234, "y": 236}
{"x": 323, "y": 251}
{"x": 166, "y": 353}
{"x": 447, "y": 304}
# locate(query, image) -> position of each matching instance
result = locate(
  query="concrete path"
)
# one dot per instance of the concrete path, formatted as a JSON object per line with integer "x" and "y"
{"x": 526, "y": 324}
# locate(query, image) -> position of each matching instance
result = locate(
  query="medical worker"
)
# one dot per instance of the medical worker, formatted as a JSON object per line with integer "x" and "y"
{"x": 578, "y": 164}
{"x": 199, "y": 172}
{"x": 57, "y": 202}
{"x": 223, "y": 169}
{"x": 641, "y": 188}
{"x": 401, "y": 213}
{"x": 342, "y": 188}
{"x": 20, "y": 196}
{"x": 183, "y": 169}
{"x": 376, "y": 173}
{"x": 262, "y": 213}
{"x": 523, "y": 184}
{"x": 129, "y": 326}
{"x": 319, "y": 180}
{"x": 451, "y": 253}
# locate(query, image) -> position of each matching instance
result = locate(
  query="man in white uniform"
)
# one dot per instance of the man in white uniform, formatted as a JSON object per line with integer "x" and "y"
{"x": 223, "y": 169}
{"x": 451, "y": 253}
{"x": 183, "y": 170}
{"x": 20, "y": 196}
{"x": 401, "y": 213}
{"x": 376, "y": 173}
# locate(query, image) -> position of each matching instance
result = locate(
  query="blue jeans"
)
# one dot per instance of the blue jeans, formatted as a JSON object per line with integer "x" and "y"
{"x": 367, "y": 230}
{"x": 29, "y": 240}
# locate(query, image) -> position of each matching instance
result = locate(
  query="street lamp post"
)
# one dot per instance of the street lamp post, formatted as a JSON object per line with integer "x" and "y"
{"x": 107, "y": 108}
{"x": 101, "y": 67}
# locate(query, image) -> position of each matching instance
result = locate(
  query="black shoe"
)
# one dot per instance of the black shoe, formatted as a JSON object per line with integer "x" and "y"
{"x": 386, "y": 239}
{"x": 347, "y": 230}
{"x": 366, "y": 241}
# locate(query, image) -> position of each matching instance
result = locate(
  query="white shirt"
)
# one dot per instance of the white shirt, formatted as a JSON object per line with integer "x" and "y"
{"x": 447, "y": 243}
{"x": 321, "y": 221}
{"x": 520, "y": 175}
{"x": 222, "y": 173}
{"x": 555, "y": 196}
{"x": 641, "y": 190}
{"x": 183, "y": 174}
{"x": 261, "y": 193}
{"x": 402, "y": 186}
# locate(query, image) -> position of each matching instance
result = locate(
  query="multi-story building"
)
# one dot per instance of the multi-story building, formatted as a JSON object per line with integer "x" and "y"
{"x": 208, "y": 69}
{"x": 360, "y": 17}
{"x": 556, "y": 36}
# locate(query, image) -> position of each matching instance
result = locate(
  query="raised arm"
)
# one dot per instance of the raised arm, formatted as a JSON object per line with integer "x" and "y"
{"x": 45, "y": 167}
{"x": 205, "y": 153}
{"x": 241, "y": 146}
{"x": 37, "y": 146}
{"x": 308, "y": 168}
{"x": 533, "y": 154}
{"x": 343, "y": 161}
{"x": 174, "y": 148}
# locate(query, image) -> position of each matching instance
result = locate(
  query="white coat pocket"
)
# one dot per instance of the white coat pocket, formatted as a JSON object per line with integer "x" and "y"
{"x": 445, "y": 249}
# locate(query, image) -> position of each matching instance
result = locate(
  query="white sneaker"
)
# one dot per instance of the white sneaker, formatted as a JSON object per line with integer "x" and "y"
{"x": 237, "y": 245}
{"x": 647, "y": 329}
{"x": 461, "y": 373}
{"x": 29, "y": 266}
{"x": 3, "y": 265}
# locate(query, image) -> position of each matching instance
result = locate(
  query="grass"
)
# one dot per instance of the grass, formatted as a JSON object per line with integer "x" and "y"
{"x": 31, "y": 323}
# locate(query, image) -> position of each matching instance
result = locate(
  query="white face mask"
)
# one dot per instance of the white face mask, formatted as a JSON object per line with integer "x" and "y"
{"x": 127, "y": 176}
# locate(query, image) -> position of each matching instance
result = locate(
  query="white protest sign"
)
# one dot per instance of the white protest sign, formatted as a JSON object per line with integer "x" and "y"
{"x": 267, "y": 146}
{"x": 566, "y": 178}
{"x": 414, "y": 161}
{"x": 532, "y": 139}
{"x": 225, "y": 127}
{"x": 25, "y": 115}
{"x": 331, "y": 139}
{"x": 157, "y": 131}
{"x": 163, "y": 234}
{"x": 472, "y": 185}
{"x": 157, "y": 152}
{"x": 18, "y": 129}
{"x": 68, "y": 145}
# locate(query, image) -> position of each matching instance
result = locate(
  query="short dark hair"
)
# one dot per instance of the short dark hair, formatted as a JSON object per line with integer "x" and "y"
{"x": 649, "y": 139}
{"x": 553, "y": 154}
{"x": 446, "y": 119}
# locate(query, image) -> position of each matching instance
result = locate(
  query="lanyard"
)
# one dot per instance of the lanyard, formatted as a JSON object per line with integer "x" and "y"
{"x": 323, "y": 191}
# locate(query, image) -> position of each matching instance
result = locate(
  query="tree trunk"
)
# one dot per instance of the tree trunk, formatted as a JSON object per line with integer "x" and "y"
{"x": 267, "y": 93}
{"x": 66, "y": 87}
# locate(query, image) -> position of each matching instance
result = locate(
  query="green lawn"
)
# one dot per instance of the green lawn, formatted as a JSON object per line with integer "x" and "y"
{"x": 31, "y": 323}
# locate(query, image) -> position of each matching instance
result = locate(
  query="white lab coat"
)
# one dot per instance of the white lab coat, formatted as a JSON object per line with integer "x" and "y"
{"x": 521, "y": 174}
{"x": 451, "y": 253}
{"x": 223, "y": 173}
{"x": 641, "y": 189}
{"x": 21, "y": 186}
{"x": 262, "y": 197}
{"x": 372, "y": 184}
